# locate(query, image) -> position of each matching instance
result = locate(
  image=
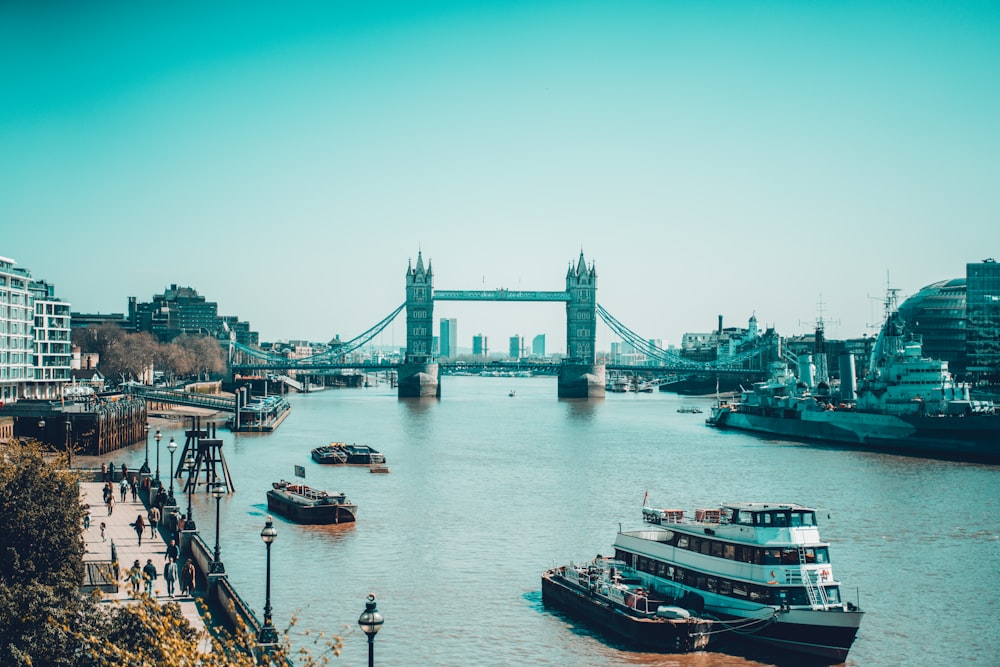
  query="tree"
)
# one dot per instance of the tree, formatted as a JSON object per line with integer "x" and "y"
{"x": 44, "y": 620}
{"x": 206, "y": 351}
{"x": 131, "y": 357}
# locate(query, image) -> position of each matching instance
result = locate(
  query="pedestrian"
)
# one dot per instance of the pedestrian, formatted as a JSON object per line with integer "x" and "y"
{"x": 149, "y": 575}
{"x": 104, "y": 532}
{"x": 170, "y": 575}
{"x": 124, "y": 471}
{"x": 140, "y": 527}
{"x": 104, "y": 472}
{"x": 173, "y": 553}
{"x": 133, "y": 576}
{"x": 154, "y": 519}
{"x": 134, "y": 486}
{"x": 187, "y": 578}
{"x": 111, "y": 504}
{"x": 123, "y": 487}
{"x": 111, "y": 472}
{"x": 106, "y": 491}
{"x": 86, "y": 517}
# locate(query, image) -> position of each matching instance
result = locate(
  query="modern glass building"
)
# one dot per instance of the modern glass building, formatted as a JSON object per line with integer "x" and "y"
{"x": 449, "y": 338}
{"x": 937, "y": 314}
{"x": 35, "y": 349}
{"x": 982, "y": 304}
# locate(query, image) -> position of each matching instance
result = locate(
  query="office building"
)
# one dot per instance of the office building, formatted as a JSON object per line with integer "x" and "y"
{"x": 449, "y": 337}
{"x": 516, "y": 350}
{"x": 181, "y": 310}
{"x": 480, "y": 346}
{"x": 982, "y": 333}
{"x": 538, "y": 345}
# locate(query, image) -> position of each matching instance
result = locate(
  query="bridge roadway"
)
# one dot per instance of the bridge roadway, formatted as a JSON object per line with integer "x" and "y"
{"x": 541, "y": 368}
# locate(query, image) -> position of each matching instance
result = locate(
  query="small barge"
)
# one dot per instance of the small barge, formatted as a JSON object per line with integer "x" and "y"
{"x": 607, "y": 594}
{"x": 340, "y": 453}
{"x": 304, "y": 504}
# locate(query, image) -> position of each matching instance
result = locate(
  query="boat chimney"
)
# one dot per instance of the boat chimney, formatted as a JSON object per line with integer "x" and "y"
{"x": 806, "y": 370}
{"x": 848, "y": 379}
{"x": 720, "y": 325}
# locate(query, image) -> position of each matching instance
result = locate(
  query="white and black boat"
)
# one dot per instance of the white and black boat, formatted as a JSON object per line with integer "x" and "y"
{"x": 607, "y": 595}
{"x": 760, "y": 567}
{"x": 304, "y": 504}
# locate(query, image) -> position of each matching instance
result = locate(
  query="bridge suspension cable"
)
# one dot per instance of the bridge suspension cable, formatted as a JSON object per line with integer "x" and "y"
{"x": 666, "y": 357}
{"x": 323, "y": 357}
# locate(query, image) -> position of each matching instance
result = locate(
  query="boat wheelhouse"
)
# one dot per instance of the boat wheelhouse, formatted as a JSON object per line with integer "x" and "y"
{"x": 760, "y": 566}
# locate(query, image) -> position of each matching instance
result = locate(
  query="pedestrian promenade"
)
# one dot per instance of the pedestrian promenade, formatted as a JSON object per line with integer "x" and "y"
{"x": 119, "y": 532}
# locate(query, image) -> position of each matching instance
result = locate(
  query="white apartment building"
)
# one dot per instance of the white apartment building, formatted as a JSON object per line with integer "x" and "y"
{"x": 35, "y": 352}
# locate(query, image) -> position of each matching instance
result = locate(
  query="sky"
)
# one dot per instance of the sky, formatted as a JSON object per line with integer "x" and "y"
{"x": 288, "y": 160}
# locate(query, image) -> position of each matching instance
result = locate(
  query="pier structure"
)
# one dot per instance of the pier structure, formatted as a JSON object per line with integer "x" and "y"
{"x": 205, "y": 449}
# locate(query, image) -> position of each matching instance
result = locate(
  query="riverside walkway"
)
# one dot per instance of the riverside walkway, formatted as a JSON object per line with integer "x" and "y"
{"x": 126, "y": 543}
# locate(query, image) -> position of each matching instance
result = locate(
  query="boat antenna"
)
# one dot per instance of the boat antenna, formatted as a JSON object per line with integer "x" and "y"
{"x": 619, "y": 526}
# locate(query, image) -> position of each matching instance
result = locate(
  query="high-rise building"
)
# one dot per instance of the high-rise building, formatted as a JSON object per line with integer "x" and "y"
{"x": 35, "y": 349}
{"x": 516, "y": 351}
{"x": 181, "y": 310}
{"x": 480, "y": 347}
{"x": 449, "y": 337}
{"x": 982, "y": 308}
{"x": 538, "y": 345}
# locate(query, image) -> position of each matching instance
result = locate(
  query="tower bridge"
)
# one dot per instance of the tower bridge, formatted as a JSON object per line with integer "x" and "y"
{"x": 580, "y": 374}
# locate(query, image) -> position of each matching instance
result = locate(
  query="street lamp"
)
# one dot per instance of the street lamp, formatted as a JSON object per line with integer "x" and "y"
{"x": 371, "y": 622}
{"x": 157, "y": 438}
{"x": 267, "y": 634}
{"x": 172, "y": 447}
{"x": 144, "y": 468}
{"x": 189, "y": 466}
{"x": 69, "y": 442}
{"x": 217, "y": 492}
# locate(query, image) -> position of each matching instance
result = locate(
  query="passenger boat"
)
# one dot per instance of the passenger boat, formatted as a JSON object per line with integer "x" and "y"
{"x": 760, "y": 567}
{"x": 905, "y": 403}
{"x": 689, "y": 409}
{"x": 340, "y": 453}
{"x": 304, "y": 504}
{"x": 606, "y": 594}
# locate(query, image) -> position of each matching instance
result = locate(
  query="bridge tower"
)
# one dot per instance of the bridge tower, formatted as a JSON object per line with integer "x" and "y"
{"x": 580, "y": 376}
{"x": 418, "y": 374}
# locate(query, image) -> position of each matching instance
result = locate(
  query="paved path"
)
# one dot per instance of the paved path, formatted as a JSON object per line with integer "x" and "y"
{"x": 118, "y": 530}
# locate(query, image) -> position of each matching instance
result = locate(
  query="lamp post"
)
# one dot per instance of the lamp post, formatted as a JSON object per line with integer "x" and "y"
{"x": 267, "y": 634}
{"x": 371, "y": 622}
{"x": 41, "y": 428}
{"x": 172, "y": 447}
{"x": 69, "y": 442}
{"x": 157, "y": 438}
{"x": 189, "y": 466}
{"x": 217, "y": 492}
{"x": 144, "y": 468}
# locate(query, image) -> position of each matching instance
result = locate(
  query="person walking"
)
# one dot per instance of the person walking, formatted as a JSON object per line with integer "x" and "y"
{"x": 134, "y": 486}
{"x": 133, "y": 576}
{"x": 187, "y": 578}
{"x": 104, "y": 532}
{"x": 154, "y": 519}
{"x": 173, "y": 552}
{"x": 140, "y": 527}
{"x": 104, "y": 472}
{"x": 124, "y": 471}
{"x": 123, "y": 488}
{"x": 111, "y": 503}
{"x": 149, "y": 575}
{"x": 170, "y": 575}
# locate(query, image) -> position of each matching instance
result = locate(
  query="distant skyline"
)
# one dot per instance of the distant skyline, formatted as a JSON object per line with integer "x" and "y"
{"x": 710, "y": 158}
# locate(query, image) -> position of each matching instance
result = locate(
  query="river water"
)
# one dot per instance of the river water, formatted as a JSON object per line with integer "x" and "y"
{"x": 486, "y": 491}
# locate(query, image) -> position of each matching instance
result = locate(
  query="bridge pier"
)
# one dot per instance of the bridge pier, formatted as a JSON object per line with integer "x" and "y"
{"x": 581, "y": 380}
{"x": 418, "y": 380}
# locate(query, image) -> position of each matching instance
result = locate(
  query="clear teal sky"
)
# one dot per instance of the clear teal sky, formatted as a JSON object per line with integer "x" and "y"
{"x": 288, "y": 159}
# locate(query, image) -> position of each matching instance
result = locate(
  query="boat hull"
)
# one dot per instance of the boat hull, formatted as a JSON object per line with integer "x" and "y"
{"x": 670, "y": 635}
{"x": 792, "y": 631}
{"x": 975, "y": 438}
{"x": 289, "y": 507}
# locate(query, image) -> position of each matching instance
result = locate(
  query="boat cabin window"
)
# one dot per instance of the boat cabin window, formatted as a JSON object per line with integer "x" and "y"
{"x": 803, "y": 519}
{"x": 744, "y": 518}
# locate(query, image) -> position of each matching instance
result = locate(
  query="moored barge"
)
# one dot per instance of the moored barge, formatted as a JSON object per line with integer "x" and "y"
{"x": 605, "y": 594}
{"x": 304, "y": 504}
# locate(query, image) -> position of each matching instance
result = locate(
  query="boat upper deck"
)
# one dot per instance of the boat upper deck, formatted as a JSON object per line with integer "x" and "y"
{"x": 759, "y": 523}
